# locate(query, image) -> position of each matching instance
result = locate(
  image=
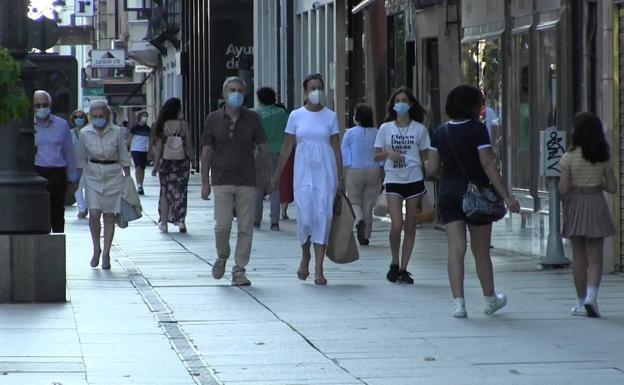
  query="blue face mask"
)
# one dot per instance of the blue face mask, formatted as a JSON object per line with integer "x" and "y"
{"x": 235, "y": 99}
{"x": 99, "y": 123}
{"x": 42, "y": 113}
{"x": 401, "y": 108}
{"x": 80, "y": 122}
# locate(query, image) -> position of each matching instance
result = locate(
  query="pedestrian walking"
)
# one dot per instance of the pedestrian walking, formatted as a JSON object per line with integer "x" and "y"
{"x": 468, "y": 138}
{"x": 139, "y": 147}
{"x": 104, "y": 161}
{"x": 230, "y": 137}
{"x": 585, "y": 173}
{"x": 402, "y": 143}
{"x": 273, "y": 119}
{"x": 55, "y": 159}
{"x": 78, "y": 120}
{"x": 173, "y": 153}
{"x": 363, "y": 173}
{"x": 317, "y": 172}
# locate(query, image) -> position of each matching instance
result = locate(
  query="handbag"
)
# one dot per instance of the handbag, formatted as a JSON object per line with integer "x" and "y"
{"x": 130, "y": 204}
{"x": 381, "y": 205}
{"x": 341, "y": 247}
{"x": 481, "y": 204}
{"x": 174, "y": 146}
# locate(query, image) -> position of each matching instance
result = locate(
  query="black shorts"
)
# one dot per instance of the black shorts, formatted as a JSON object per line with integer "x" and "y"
{"x": 407, "y": 190}
{"x": 140, "y": 159}
{"x": 450, "y": 199}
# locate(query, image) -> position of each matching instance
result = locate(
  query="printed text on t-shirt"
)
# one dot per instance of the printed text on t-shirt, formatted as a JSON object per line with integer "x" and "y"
{"x": 402, "y": 144}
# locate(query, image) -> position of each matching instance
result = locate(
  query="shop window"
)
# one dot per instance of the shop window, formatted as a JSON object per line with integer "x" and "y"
{"x": 431, "y": 81}
{"x": 522, "y": 161}
{"x": 397, "y": 62}
{"x": 547, "y": 103}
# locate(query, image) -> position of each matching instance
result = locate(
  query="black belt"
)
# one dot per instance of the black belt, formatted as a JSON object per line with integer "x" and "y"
{"x": 102, "y": 161}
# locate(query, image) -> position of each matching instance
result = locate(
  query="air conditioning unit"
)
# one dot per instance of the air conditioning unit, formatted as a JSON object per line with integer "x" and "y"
{"x": 118, "y": 44}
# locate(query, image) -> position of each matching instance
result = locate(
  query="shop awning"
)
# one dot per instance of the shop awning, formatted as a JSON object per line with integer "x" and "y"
{"x": 362, "y": 6}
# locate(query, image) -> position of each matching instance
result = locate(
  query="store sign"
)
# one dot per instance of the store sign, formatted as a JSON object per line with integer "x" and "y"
{"x": 141, "y": 69}
{"x": 108, "y": 58}
{"x": 84, "y": 8}
{"x": 553, "y": 147}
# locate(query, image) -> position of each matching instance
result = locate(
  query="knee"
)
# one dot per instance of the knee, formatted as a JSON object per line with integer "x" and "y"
{"x": 396, "y": 227}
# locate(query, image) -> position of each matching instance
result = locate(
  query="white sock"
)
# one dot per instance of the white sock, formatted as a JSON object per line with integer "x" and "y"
{"x": 581, "y": 301}
{"x": 592, "y": 294}
{"x": 491, "y": 299}
{"x": 459, "y": 302}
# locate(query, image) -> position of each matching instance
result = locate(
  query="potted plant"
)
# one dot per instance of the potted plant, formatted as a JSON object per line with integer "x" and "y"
{"x": 13, "y": 101}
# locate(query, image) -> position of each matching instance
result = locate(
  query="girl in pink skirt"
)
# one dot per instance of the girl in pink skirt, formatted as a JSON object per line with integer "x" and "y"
{"x": 585, "y": 173}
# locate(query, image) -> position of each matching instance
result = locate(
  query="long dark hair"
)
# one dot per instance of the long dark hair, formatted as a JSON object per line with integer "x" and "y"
{"x": 416, "y": 112}
{"x": 169, "y": 111}
{"x": 589, "y": 136}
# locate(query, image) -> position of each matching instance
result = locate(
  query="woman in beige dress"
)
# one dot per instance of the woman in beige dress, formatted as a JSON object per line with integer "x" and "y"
{"x": 104, "y": 161}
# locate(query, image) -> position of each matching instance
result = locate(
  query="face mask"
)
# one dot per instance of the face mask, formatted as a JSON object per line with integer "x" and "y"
{"x": 99, "y": 123}
{"x": 42, "y": 113}
{"x": 401, "y": 108}
{"x": 144, "y": 120}
{"x": 80, "y": 122}
{"x": 315, "y": 97}
{"x": 235, "y": 99}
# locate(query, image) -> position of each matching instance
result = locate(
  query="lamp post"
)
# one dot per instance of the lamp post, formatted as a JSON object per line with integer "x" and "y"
{"x": 24, "y": 201}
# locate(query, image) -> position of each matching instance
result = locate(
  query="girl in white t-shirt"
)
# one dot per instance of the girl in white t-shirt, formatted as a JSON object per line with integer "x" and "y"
{"x": 402, "y": 142}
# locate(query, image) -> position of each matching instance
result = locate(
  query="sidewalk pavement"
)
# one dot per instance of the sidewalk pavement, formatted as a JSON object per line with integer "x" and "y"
{"x": 158, "y": 317}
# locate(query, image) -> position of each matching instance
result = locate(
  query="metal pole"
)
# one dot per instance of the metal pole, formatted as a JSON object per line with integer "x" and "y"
{"x": 555, "y": 257}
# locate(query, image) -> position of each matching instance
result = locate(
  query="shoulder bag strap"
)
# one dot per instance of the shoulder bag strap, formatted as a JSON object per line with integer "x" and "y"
{"x": 454, "y": 151}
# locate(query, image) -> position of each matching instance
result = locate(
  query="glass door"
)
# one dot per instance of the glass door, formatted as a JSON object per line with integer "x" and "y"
{"x": 521, "y": 138}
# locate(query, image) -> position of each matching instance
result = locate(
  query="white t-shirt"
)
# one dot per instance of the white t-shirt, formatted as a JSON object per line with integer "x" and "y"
{"x": 316, "y": 127}
{"x": 409, "y": 142}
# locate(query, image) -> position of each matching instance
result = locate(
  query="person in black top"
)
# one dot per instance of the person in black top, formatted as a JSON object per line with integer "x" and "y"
{"x": 472, "y": 144}
{"x": 139, "y": 147}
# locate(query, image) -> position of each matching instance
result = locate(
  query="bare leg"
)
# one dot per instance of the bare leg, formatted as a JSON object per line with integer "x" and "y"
{"x": 594, "y": 257}
{"x": 164, "y": 208}
{"x": 395, "y": 207}
{"x": 480, "y": 240}
{"x": 409, "y": 231}
{"x": 284, "y": 210}
{"x": 579, "y": 265}
{"x": 95, "y": 227}
{"x": 456, "y": 236}
{"x": 139, "y": 175}
{"x": 109, "y": 232}
{"x": 319, "y": 256}
{"x": 304, "y": 264}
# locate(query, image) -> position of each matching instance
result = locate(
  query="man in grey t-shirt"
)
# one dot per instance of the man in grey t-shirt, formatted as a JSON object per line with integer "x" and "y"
{"x": 230, "y": 137}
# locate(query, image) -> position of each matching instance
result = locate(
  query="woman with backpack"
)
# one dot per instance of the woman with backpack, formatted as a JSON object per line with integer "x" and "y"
{"x": 173, "y": 152}
{"x": 585, "y": 173}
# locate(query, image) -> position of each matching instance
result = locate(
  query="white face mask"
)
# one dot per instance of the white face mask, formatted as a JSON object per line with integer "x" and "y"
{"x": 316, "y": 97}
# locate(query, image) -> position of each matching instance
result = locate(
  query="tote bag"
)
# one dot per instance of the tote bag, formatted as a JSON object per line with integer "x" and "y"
{"x": 341, "y": 247}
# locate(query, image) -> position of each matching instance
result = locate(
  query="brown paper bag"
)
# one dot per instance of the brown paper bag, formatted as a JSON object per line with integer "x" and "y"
{"x": 341, "y": 247}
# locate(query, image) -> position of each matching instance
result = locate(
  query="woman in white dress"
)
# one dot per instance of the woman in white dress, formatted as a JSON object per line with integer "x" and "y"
{"x": 104, "y": 161}
{"x": 317, "y": 172}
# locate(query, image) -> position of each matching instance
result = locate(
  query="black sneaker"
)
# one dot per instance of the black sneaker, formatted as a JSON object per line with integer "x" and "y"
{"x": 405, "y": 277}
{"x": 275, "y": 226}
{"x": 140, "y": 190}
{"x": 393, "y": 273}
{"x": 360, "y": 227}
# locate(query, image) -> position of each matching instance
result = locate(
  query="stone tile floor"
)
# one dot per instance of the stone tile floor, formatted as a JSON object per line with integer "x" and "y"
{"x": 158, "y": 317}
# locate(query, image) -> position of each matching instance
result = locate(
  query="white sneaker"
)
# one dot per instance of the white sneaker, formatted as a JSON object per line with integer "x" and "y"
{"x": 496, "y": 303}
{"x": 163, "y": 228}
{"x": 459, "y": 310}
{"x": 578, "y": 310}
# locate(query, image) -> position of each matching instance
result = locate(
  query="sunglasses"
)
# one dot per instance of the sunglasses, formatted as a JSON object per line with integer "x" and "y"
{"x": 42, "y": 105}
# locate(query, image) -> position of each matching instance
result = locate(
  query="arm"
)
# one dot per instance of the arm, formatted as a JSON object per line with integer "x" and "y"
{"x": 287, "y": 147}
{"x": 129, "y": 142}
{"x": 157, "y": 150}
{"x": 487, "y": 162}
{"x": 70, "y": 157}
{"x": 564, "y": 180}
{"x": 335, "y": 143}
{"x": 266, "y": 163}
{"x": 610, "y": 184}
{"x": 345, "y": 147}
{"x": 124, "y": 155}
{"x": 432, "y": 164}
{"x": 206, "y": 159}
